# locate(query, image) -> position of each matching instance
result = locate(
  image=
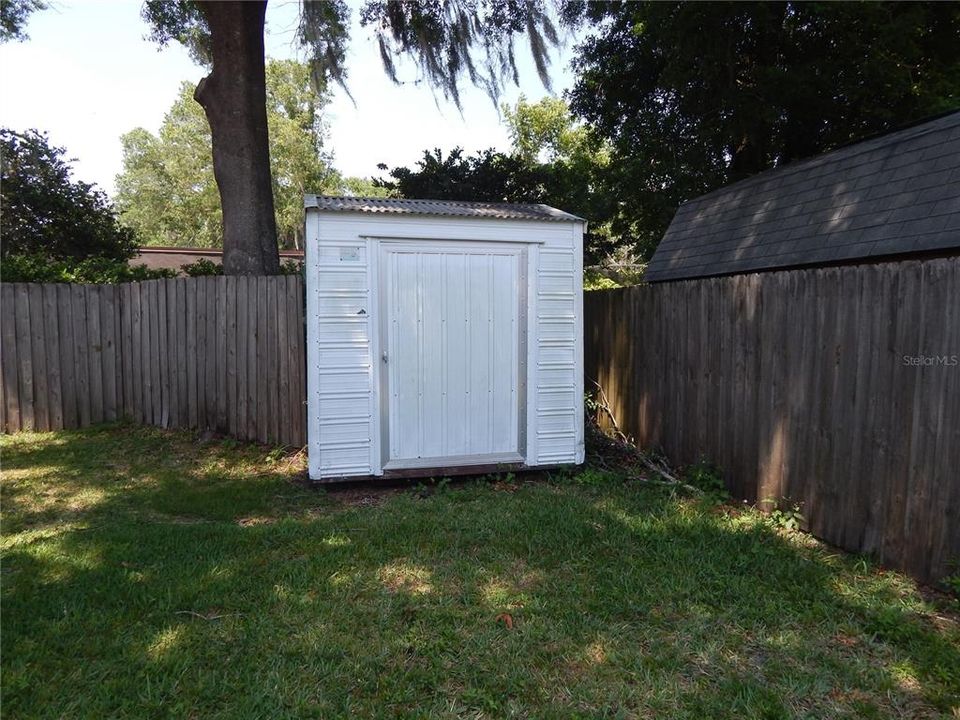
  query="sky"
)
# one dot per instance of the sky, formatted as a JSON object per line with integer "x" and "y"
{"x": 86, "y": 75}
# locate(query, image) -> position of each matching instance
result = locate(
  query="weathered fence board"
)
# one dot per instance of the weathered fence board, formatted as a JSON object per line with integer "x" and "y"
{"x": 799, "y": 384}
{"x": 225, "y": 354}
{"x": 8, "y": 361}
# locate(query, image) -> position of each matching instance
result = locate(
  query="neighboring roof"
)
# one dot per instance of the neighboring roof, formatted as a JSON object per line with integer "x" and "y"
{"x": 891, "y": 195}
{"x": 409, "y": 206}
{"x": 156, "y": 257}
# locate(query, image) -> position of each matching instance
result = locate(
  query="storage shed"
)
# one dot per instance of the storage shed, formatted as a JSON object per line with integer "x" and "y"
{"x": 442, "y": 337}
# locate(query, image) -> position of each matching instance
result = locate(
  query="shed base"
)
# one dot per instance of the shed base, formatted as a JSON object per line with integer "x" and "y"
{"x": 439, "y": 472}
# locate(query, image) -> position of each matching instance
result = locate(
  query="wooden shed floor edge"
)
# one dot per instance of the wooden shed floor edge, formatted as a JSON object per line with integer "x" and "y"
{"x": 437, "y": 472}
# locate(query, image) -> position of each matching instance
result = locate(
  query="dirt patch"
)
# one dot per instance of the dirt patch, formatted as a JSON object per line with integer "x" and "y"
{"x": 254, "y": 521}
{"x": 363, "y": 496}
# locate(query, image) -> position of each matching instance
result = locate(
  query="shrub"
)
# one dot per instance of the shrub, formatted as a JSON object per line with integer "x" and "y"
{"x": 47, "y": 213}
{"x": 37, "y": 268}
{"x": 707, "y": 477}
{"x": 202, "y": 268}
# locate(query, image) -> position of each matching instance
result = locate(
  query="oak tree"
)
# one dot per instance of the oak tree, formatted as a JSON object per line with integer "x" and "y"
{"x": 450, "y": 41}
{"x": 167, "y": 190}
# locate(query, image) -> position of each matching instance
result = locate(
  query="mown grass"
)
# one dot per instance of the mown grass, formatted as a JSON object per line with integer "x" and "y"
{"x": 147, "y": 575}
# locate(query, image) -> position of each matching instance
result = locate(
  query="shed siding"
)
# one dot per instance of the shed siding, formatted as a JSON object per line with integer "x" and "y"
{"x": 341, "y": 435}
{"x": 342, "y": 296}
{"x": 559, "y": 363}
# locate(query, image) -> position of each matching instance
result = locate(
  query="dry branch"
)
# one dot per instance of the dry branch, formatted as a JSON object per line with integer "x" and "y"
{"x": 655, "y": 466}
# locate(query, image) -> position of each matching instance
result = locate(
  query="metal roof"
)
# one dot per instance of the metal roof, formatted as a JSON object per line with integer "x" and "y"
{"x": 891, "y": 195}
{"x": 409, "y": 206}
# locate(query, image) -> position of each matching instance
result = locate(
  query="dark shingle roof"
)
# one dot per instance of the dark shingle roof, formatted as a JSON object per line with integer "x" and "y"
{"x": 406, "y": 206}
{"x": 894, "y": 194}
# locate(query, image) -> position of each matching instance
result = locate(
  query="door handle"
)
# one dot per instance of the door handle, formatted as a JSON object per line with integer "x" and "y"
{"x": 384, "y": 356}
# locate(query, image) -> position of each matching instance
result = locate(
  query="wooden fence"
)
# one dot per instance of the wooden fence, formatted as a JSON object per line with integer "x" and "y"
{"x": 223, "y": 353}
{"x": 838, "y": 388}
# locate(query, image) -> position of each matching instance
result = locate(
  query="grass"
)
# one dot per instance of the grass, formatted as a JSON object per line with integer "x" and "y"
{"x": 147, "y": 575}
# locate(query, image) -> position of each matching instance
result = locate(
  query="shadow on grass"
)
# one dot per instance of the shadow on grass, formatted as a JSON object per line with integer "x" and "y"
{"x": 542, "y": 599}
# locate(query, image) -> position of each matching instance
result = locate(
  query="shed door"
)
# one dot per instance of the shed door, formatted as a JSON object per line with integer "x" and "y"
{"x": 451, "y": 341}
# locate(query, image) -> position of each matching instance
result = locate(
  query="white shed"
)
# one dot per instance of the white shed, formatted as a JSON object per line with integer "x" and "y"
{"x": 442, "y": 337}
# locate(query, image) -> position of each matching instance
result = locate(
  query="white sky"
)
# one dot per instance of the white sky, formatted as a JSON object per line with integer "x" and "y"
{"x": 87, "y": 75}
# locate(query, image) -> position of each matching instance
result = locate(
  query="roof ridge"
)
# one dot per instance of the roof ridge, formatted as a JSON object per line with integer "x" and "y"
{"x": 427, "y": 206}
{"x": 445, "y": 201}
{"x": 897, "y": 193}
{"x": 848, "y": 150}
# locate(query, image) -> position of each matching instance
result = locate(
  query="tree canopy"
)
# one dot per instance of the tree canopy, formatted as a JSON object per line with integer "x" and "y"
{"x": 55, "y": 228}
{"x": 14, "y": 15}
{"x": 448, "y": 41}
{"x": 553, "y": 160}
{"x": 49, "y": 214}
{"x": 167, "y": 190}
{"x": 692, "y": 96}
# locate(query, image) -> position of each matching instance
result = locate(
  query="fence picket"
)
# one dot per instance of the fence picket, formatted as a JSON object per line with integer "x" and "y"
{"x": 8, "y": 358}
{"x": 52, "y": 357}
{"x": 813, "y": 399}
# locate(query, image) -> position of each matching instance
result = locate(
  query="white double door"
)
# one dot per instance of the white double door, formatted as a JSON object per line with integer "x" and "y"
{"x": 451, "y": 336}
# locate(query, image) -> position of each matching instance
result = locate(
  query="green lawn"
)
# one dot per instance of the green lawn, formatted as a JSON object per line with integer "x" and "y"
{"x": 147, "y": 575}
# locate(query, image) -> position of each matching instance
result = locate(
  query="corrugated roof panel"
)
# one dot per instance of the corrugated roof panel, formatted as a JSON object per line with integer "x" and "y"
{"x": 897, "y": 193}
{"x": 457, "y": 208}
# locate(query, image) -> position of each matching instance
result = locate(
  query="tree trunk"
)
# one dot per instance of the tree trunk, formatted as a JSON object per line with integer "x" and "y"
{"x": 234, "y": 97}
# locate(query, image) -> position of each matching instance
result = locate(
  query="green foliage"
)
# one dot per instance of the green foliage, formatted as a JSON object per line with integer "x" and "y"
{"x": 952, "y": 585}
{"x": 708, "y": 477}
{"x": 786, "y": 515}
{"x": 47, "y": 214}
{"x": 323, "y": 31}
{"x": 692, "y": 96}
{"x": 14, "y": 15}
{"x": 37, "y": 268}
{"x": 181, "y": 21}
{"x": 544, "y": 131}
{"x": 452, "y": 40}
{"x": 488, "y": 176}
{"x": 207, "y": 268}
{"x": 298, "y": 134}
{"x": 448, "y": 41}
{"x": 167, "y": 189}
{"x": 202, "y": 268}
{"x": 564, "y": 473}
{"x": 363, "y": 187}
{"x": 594, "y": 476}
{"x": 291, "y": 267}
{"x": 594, "y": 280}
{"x": 553, "y": 161}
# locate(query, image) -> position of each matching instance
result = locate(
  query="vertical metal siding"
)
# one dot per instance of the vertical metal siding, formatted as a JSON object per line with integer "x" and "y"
{"x": 453, "y": 339}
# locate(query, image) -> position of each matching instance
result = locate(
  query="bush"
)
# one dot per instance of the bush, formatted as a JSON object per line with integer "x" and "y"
{"x": 36, "y": 268}
{"x": 708, "y": 477}
{"x": 291, "y": 267}
{"x": 206, "y": 268}
{"x": 47, "y": 213}
{"x": 202, "y": 268}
